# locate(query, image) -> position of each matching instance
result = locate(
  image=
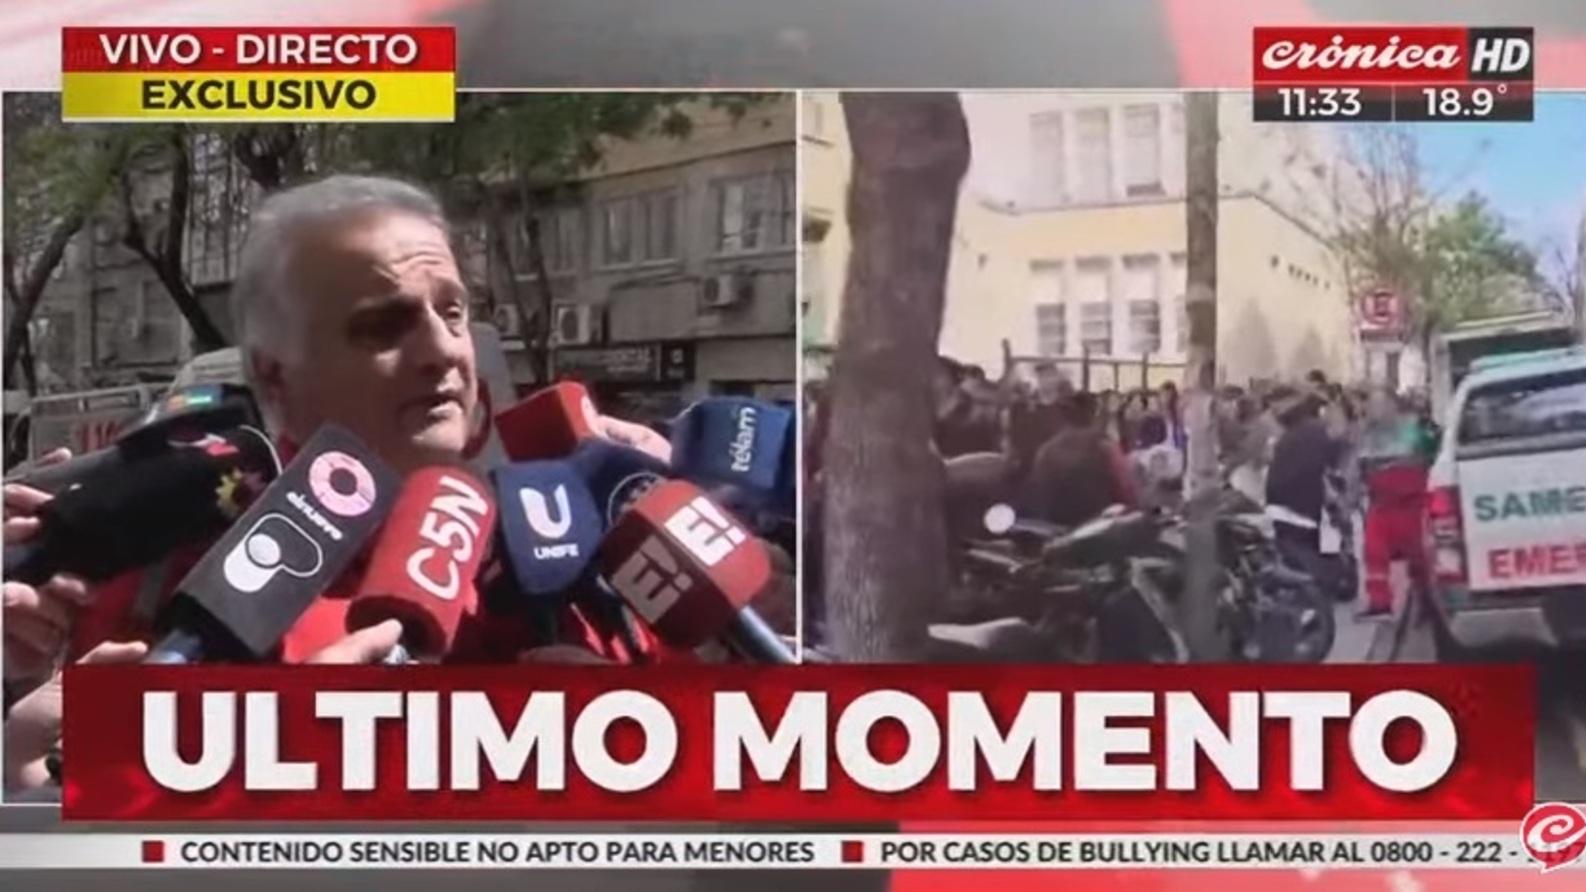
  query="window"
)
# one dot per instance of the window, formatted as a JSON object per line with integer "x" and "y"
{"x": 1176, "y": 287}
{"x": 1051, "y": 310}
{"x": 1138, "y": 285}
{"x": 217, "y": 215}
{"x": 1093, "y": 292}
{"x": 560, "y": 235}
{"x": 1051, "y": 329}
{"x": 754, "y": 213}
{"x": 1047, "y": 157}
{"x": 616, "y": 232}
{"x": 1175, "y": 142}
{"x": 635, "y": 229}
{"x": 1525, "y": 407}
{"x": 1142, "y": 151}
{"x": 1093, "y": 152}
{"x": 814, "y": 117}
{"x": 660, "y": 226}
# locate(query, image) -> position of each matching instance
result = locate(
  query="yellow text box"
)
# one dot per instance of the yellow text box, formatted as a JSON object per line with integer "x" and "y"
{"x": 213, "y": 96}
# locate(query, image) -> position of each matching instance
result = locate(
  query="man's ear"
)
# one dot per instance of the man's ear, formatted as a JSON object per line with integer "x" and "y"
{"x": 268, "y": 377}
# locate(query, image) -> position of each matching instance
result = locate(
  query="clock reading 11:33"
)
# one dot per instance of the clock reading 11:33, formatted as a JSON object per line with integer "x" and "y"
{"x": 1316, "y": 103}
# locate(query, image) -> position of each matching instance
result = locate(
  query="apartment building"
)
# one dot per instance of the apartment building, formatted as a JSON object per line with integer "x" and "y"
{"x": 1070, "y": 239}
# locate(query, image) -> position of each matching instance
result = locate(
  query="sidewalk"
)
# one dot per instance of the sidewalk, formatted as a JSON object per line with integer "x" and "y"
{"x": 1374, "y": 640}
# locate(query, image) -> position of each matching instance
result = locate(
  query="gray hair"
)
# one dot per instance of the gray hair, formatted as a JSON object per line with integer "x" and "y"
{"x": 265, "y": 262}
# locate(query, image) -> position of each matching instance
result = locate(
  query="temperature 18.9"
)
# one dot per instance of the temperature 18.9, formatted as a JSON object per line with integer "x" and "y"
{"x": 1464, "y": 102}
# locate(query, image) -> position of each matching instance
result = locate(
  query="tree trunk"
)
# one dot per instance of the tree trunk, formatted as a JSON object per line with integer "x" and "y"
{"x": 1198, "y": 609}
{"x": 30, "y": 369}
{"x": 542, "y": 286}
{"x": 885, "y": 537}
{"x": 534, "y": 241}
{"x": 532, "y": 325}
{"x": 166, "y": 259}
{"x": 25, "y": 296}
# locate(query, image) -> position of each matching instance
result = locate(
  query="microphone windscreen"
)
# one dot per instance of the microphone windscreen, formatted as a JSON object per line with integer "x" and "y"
{"x": 737, "y": 441}
{"x": 683, "y": 564}
{"x": 550, "y": 525}
{"x": 127, "y": 515}
{"x": 296, "y": 539}
{"x": 616, "y": 476}
{"x": 425, "y": 559}
{"x": 549, "y": 423}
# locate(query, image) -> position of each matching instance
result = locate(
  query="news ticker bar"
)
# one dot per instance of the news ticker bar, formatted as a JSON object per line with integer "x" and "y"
{"x": 1468, "y": 103}
{"x": 791, "y": 851}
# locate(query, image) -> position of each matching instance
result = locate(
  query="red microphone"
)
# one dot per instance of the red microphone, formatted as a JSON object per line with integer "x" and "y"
{"x": 689, "y": 570}
{"x": 550, "y": 423}
{"x": 422, "y": 568}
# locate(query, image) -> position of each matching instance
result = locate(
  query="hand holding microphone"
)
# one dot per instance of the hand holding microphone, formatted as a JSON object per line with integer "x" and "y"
{"x": 745, "y": 450}
{"x": 37, "y": 619}
{"x": 124, "y": 516}
{"x": 298, "y": 537}
{"x": 553, "y": 421}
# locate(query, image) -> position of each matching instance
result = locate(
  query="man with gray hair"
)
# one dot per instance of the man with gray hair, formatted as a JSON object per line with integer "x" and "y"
{"x": 350, "y": 308}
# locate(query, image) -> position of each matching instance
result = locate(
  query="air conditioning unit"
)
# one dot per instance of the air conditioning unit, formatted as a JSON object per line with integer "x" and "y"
{"x": 727, "y": 290}
{"x": 572, "y": 325}
{"x": 508, "y": 321}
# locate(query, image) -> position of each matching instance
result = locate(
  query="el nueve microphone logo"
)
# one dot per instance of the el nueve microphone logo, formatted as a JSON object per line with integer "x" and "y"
{"x": 275, "y": 544}
{"x": 278, "y": 544}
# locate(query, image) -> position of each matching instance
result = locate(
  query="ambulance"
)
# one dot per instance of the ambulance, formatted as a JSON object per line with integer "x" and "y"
{"x": 1506, "y": 507}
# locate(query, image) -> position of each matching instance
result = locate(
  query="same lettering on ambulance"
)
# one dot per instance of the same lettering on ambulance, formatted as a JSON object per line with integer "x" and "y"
{"x": 1536, "y": 559}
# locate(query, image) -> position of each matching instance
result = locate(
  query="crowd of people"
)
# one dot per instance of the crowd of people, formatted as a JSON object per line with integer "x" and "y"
{"x": 1321, "y": 459}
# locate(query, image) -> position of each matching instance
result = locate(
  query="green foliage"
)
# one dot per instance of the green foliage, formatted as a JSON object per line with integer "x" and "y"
{"x": 1471, "y": 264}
{"x": 1453, "y": 262}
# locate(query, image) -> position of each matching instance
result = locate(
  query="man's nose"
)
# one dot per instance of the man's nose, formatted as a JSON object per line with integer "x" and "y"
{"x": 435, "y": 344}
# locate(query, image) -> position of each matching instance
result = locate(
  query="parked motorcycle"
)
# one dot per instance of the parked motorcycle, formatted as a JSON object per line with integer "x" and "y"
{"x": 1273, "y": 609}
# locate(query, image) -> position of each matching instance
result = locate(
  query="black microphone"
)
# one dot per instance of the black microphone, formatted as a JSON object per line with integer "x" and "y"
{"x": 125, "y": 516}
{"x": 183, "y": 416}
{"x": 248, "y": 590}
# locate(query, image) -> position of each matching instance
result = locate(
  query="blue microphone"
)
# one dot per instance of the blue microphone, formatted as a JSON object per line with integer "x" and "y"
{"x": 617, "y": 476}
{"x": 550, "y": 524}
{"x": 738, "y": 442}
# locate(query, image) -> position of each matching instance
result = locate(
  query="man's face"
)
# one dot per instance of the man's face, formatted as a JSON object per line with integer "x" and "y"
{"x": 379, "y": 313}
{"x": 1050, "y": 385}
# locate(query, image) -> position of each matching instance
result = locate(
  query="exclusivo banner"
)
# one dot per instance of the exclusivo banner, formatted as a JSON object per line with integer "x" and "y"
{"x": 827, "y": 743}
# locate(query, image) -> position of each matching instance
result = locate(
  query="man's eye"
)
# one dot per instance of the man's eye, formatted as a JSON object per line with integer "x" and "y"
{"x": 382, "y": 327}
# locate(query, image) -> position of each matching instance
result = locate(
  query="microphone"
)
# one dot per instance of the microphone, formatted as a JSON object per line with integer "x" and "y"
{"x": 424, "y": 561}
{"x": 689, "y": 571}
{"x": 741, "y": 442}
{"x": 183, "y": 416}
{"x": 617, "y": 476}
{"x": 123, "y": 515}
{"x": 293, "y": 543}
{"x": 550, "y": 525}
{"x": 550, "y": 423}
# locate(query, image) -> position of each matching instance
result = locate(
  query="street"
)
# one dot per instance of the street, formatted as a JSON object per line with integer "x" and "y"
{"x": 1561, "y": 686}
